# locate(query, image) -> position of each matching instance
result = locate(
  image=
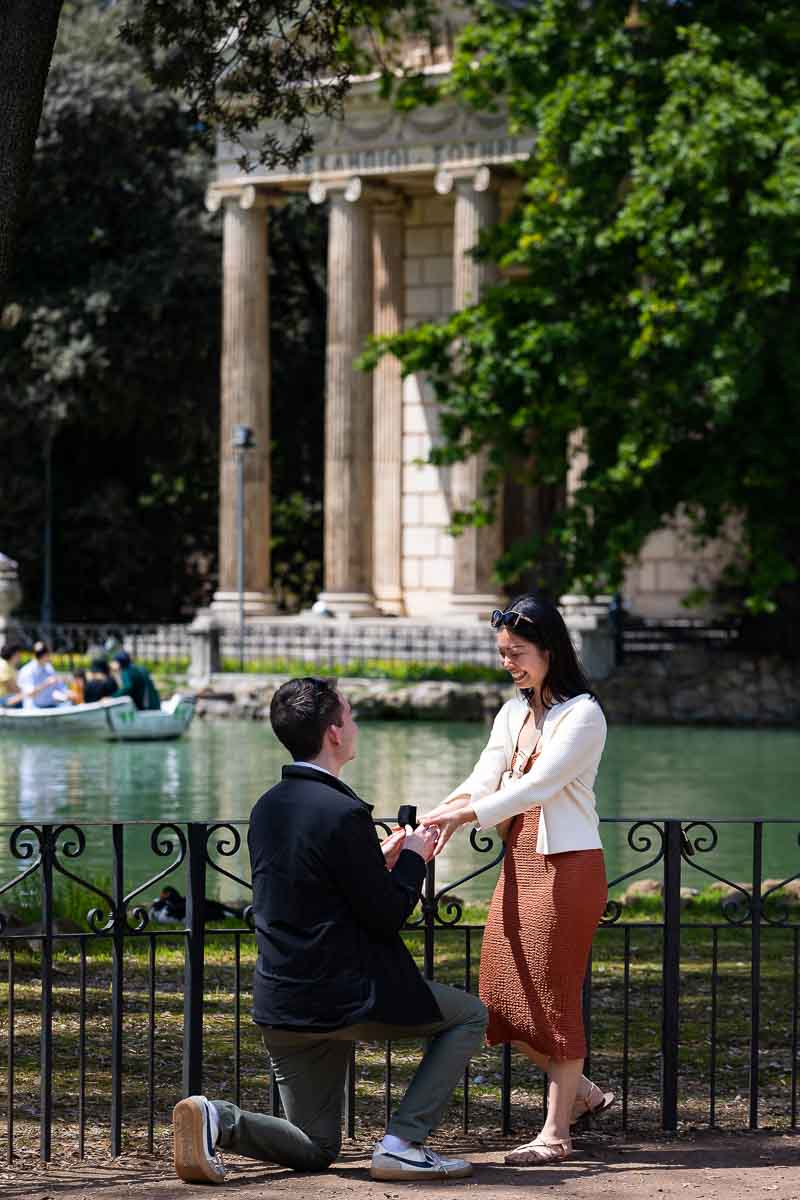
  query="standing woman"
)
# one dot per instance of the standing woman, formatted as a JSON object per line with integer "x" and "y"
{"x": 534, "y": 781}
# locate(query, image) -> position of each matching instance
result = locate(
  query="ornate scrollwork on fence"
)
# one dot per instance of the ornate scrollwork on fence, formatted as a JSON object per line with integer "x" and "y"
{"x": 781, "y": 913}
{"x": 641, "y": 843}
{"x": 96, "y": 918}
{"x": 111, "y": 915}
{"x": 161, "y": 844}
{"x": 737, "y": 906}
{"x": 22, "y": 850}
{"x": 228, "y": 847}
{"x": 451, "y": 912}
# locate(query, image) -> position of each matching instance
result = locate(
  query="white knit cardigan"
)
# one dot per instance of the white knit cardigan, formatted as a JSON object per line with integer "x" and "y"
{"x": 561, "y": 779}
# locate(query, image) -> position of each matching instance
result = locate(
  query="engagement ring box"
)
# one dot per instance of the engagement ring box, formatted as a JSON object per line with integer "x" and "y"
{"x": 407, "y": 815}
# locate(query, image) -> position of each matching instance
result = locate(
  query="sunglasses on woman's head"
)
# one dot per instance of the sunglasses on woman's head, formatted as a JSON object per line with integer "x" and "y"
{"x": 508, "y": 619}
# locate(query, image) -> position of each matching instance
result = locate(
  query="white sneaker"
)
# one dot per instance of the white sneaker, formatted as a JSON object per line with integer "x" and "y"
{"x": 418, "y": 1162}
{"x": 195, "y": 1128}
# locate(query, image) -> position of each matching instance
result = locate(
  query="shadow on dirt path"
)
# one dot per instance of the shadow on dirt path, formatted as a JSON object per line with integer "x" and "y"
{"x": 701, "y": 1166}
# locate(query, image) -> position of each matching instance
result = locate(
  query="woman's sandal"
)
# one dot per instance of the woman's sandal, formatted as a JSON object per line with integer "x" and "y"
{"x": 592, "y": 1104}
{"x": 538, "y": 1154}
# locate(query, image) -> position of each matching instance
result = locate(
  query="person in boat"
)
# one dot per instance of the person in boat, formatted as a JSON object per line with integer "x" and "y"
{"x": 10, "y": 694}
{"x": 77, "y": 687}
{"x": 134, "y": 680}
{"x": 38, "y": 681}
{"x": 100, "y": 684}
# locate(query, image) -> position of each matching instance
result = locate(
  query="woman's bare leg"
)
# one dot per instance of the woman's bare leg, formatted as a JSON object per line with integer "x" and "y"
{"x": 566, "y": 1083}
{"x": 541, "y": 1060}
{"x": 565, "y": 1075}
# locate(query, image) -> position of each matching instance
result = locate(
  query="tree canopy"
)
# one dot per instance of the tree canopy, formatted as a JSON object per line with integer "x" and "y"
{"x": 650, "y": 301}
{"x": 111, "y": 344}
{"x": 266, "y": 67}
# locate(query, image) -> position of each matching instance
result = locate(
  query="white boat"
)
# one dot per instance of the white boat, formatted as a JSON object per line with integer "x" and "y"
{"x": 67, "y": 718}
{"x": 147, "y": 725}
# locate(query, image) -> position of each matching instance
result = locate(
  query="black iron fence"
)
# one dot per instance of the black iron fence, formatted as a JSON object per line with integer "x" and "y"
{"x": 106, "y": 1017}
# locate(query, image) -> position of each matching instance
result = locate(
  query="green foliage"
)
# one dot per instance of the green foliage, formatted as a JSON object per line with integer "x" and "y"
{"x": 651, "y": 301}
{"x": 111, "y": 347}
{"x": 371, "y": 668}
{"x": 265, "y": 70}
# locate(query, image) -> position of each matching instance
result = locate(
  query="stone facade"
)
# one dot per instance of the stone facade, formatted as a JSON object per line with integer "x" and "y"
{"x": 408, "y": 195}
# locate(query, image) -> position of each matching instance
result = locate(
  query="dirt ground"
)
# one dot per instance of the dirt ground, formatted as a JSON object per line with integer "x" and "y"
{"x": 700, "y": 1166}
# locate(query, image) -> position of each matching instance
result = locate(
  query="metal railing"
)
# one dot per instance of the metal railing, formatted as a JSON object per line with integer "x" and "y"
{"x": 319, "y": 644}
{"x": 114, "y": 990}
{"x": 153, "y": 641}
{"x": 638, "y": 636}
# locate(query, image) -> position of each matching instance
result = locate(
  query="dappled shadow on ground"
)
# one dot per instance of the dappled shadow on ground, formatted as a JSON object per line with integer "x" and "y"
{"x": 714, "y": 1166}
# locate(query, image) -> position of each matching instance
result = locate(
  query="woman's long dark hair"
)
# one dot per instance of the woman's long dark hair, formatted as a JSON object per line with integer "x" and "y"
{"x": 545, "y": 628}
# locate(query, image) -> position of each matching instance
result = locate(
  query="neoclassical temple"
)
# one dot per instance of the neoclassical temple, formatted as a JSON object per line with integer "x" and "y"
{"x": 408, "y": 195}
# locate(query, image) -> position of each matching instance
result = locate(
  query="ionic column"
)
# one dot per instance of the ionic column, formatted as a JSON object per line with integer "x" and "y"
{"x": 348, "y": 404}
{"x": 245, "y": 400}
{"x": 387, "y": 398}
{"x": 476, "y": 550}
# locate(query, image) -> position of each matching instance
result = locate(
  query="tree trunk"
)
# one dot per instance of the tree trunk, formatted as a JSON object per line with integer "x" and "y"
{"x": 27, "y": 35}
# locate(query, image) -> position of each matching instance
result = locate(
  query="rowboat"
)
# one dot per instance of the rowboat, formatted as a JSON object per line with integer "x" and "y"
{"x": 118, "y": 719}
{"x": 149, "y": 725}
{"x": 67, "y": 718}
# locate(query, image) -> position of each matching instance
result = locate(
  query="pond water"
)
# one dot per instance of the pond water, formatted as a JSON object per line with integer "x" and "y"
{"x": 220, "y": 768}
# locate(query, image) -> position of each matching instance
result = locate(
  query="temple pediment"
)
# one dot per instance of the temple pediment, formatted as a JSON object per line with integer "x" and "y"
{"x": 376, "y": 139}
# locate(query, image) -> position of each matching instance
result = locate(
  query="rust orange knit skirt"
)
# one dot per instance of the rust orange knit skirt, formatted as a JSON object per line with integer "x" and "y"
{"x": 542, "y": 918}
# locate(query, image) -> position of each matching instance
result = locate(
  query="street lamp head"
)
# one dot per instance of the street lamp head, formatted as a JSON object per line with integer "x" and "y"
{"x": 242, "y": 438}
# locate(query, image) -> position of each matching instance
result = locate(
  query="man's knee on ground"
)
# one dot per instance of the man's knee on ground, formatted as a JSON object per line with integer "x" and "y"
{"x": 325, "y": 1153}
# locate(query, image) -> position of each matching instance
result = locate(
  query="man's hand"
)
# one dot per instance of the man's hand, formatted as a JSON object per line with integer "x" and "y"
{"x": 422, "y": 841}
{"x": 446, "y": 819}
{"x": 392, "y": 846}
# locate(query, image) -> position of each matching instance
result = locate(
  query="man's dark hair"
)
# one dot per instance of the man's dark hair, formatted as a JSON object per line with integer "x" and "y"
{"x": 301, "y": 711}
{"x": 10, "y": 649}
{"x": 40, "y": 649}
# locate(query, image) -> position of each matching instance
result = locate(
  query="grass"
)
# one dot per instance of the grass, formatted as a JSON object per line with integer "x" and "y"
{"x": 170, "y": 673}
{"x": 370, "y": 668}
{"x": 610, "y": 1060}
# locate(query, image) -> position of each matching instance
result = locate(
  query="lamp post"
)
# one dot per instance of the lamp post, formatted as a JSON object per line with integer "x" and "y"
{"x": 242, "y": 441}
{"x": 56, "y": 412}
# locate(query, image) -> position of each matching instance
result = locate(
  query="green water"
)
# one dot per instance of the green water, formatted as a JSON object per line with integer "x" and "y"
{"x": 220, "y": 768}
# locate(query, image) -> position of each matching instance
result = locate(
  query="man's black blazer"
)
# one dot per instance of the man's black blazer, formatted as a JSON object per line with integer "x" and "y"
{"x": 328, "y": 913}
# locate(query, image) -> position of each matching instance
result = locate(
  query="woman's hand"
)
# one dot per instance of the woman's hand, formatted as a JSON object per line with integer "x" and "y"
{"x": 449, "y": 817}
{"x": 445, "y": 808}
{"x": 392, "y": 847}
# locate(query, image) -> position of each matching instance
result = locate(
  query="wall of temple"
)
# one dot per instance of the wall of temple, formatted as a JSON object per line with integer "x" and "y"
{"x": 430, "y": 179}
{"x": 427, "y": 548}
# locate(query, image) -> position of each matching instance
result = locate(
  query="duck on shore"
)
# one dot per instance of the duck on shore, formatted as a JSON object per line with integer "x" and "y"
{"x": 170, "y": 908}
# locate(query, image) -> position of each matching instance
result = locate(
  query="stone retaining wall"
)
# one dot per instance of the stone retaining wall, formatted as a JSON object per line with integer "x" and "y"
{"x": 704, "y": 687}
{"x": 686, "y": 687}
{"x": 372, "y": 699}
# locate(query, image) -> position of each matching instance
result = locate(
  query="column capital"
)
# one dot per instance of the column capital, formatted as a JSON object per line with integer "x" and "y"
{"x": 475, "y": 179}
{"x": 246, "y": 196}
{"x": 354, "y": 188}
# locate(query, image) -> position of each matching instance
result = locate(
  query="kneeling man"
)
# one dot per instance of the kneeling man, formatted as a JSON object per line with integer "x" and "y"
{"x": 332, "y": 968}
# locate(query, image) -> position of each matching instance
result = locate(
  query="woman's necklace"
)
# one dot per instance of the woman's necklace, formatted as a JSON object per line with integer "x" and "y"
{"x": 538, "y": 711}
